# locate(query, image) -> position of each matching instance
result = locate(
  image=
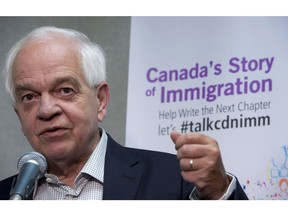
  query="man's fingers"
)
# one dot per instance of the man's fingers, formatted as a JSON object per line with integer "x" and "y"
{"x": 188, "y": 164}
{"x": 192, "y": 151}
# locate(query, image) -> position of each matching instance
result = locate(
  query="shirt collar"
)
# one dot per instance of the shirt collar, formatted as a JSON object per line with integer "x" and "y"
{"x": 95, "y": 164}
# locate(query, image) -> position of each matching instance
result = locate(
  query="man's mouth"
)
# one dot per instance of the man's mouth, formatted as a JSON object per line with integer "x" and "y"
{"x": 53, "y": 132}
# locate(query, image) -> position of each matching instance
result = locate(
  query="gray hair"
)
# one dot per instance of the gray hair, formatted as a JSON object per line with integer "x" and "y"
{"x": 91, "y": 55}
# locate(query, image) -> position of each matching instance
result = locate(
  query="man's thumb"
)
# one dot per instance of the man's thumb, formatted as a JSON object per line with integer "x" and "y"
{"x": 174, "y": 136}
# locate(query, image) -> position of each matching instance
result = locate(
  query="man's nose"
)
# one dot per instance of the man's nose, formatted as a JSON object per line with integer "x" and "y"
{"x": 48, "y": 108}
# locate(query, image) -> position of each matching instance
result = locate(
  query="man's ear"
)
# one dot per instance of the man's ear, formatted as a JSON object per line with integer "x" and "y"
{"x": 103, "y": 97}
{"x": 17, "y": 113}
{"x": 15, "y": 110}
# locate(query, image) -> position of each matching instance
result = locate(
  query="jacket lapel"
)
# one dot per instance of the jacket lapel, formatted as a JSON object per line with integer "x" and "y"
{"x": 122, "y": 173}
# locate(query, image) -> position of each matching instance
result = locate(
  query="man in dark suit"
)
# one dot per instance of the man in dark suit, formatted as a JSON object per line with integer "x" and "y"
{"x": 57, "y": 81}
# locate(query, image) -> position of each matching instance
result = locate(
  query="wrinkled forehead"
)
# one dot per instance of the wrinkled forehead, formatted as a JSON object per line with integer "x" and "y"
{"x": 38, "y": 55}
{"x": 51, "y": 57}
{"x": 48, "y": 46}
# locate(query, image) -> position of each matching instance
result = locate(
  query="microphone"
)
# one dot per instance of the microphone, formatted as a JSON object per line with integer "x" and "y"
{"x": 32, "y": 166}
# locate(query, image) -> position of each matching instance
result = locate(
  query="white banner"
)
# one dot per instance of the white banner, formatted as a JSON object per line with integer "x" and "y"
{"x": 223, "y": 76}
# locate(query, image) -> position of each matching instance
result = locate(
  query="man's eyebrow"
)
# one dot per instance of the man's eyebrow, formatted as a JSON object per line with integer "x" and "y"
{"x": 22, "y": 87}
{"x": 58, "y": 81}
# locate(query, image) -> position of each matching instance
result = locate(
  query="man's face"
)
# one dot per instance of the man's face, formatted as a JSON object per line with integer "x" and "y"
{"x": 59, "y": 113}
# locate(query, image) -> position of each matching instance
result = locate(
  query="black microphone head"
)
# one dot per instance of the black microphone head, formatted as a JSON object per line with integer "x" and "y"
{"x": 36, "y": 158}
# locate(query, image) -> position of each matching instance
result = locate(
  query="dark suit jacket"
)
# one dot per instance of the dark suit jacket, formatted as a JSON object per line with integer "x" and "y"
{"x": 138, "y": 174}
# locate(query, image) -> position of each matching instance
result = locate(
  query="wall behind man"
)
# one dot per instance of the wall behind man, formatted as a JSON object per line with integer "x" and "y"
{"x": 112, "y": 33}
